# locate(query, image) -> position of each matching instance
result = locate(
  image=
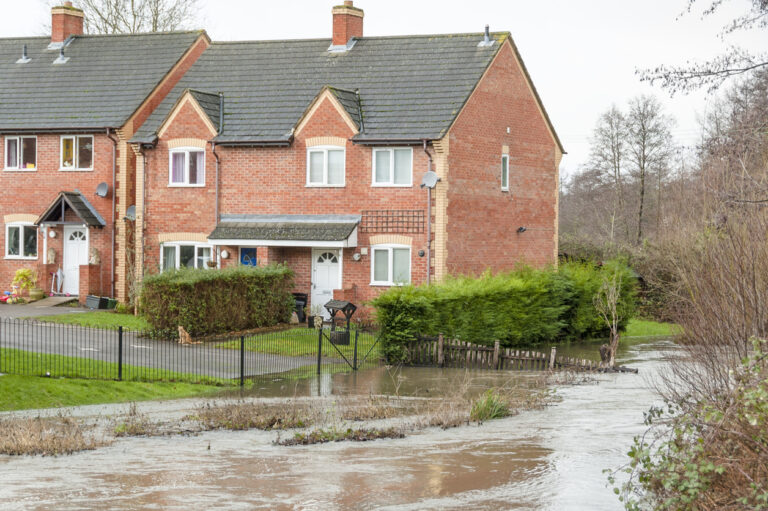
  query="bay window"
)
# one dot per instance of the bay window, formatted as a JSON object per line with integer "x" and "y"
{"x": 187, "y": 167}
{"x": 21, "y": 153}
{"x": 20, "y": 241}
{"x": 325, "y": 166}
{"x": 390, "y": 265}
{"x": 393, "y": 167}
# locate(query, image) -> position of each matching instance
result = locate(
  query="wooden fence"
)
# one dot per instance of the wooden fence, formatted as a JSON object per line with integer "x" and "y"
{"x": 443, "y": 352}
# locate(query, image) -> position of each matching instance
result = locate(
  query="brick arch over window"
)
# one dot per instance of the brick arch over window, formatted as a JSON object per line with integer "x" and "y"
{"x": 16, "y": 218}
{"x": 390, "y": 239}
{"x": 187, "y": 142}
{"x": 320, "y": 141}
{"x": 174, "y": 237}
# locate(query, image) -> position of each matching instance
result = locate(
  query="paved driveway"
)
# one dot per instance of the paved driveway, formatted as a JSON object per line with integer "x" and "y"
{"x": 36, "y": 309}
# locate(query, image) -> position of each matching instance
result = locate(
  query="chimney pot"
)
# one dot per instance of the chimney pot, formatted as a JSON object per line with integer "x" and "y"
{"x": 65, "y": 21}
{"x": 347, "y": 23}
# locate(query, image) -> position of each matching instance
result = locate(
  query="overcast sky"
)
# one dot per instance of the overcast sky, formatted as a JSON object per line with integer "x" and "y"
{"x": 582, "y": 55}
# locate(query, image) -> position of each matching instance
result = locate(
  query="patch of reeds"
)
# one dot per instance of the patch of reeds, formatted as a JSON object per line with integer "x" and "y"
{"x": 135, "y": 423}
{"x": 321, "y": 436}
{"x": 244, "y": 415}
{"x": 491, "y": 405}
{"x": 46, "y": 436}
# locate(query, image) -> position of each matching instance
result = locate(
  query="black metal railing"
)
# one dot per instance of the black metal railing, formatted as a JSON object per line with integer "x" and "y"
{"x": 60, "y": 350}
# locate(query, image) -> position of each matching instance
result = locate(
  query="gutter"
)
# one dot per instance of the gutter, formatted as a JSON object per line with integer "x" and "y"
{"x": 114, "y": 206}
{"x": 389, "y": 141}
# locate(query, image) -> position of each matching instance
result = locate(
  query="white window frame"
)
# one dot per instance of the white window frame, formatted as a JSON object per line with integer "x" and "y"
{"x": 324, "y": 149}
{"x": 19, "y": 155}
{"x": 76, "y": 153}
{"x": 391, "y": 183}
{"x": 177, "y": 246}
{"x": 185, "y": 151}
{"x": 504, "y": 172}
{"x": 21, "y": 226}
{"x": 390, "y": 271}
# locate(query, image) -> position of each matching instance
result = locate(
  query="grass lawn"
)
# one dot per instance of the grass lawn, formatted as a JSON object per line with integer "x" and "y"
{"x": 643, "y": 328}
{"x": 25, "y": 392}
{"x": 98, "y": 319}
{"x": 27, "y": 363}
{"x": 298, "y": 342}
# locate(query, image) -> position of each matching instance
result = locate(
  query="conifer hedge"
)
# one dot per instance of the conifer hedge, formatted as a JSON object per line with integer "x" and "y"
{"x": 209, "y": 302}
{"x": 520, "y": 308}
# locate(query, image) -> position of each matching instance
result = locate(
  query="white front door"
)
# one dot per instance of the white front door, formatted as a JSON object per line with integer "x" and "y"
{"x": 326, "y": 276}
{"x": 75, "y": 254}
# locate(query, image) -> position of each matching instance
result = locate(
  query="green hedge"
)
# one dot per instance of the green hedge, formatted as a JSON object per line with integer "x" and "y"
{"x": 208, "y": 302}
{"x": 524, "y": 307}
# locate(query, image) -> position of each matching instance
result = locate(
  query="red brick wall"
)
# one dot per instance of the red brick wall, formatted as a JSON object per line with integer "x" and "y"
{"x": 32, "y": 192}
{"x": 64, "y": 25}
{"x": 483, "y": 220}
{"x": 273, "y": 181}
{"x": 346, "y": 26}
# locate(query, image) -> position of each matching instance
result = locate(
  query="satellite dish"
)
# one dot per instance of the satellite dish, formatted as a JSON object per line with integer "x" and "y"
{"x": 130, "y": 213}
{"x": 102, "y": 189}
{"x": 430, "y": 180}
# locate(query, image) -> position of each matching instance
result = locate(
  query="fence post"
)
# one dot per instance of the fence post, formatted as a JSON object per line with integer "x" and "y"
{"x": 354, "y": 362}
{"x": 552, "y": 357}
{"x": 440, "y": 352}
{"x": 242, "y": 360}
{"x": 496, "y": 354}
{"x": 319, "y": 348}
{"x": 120, "y": 353}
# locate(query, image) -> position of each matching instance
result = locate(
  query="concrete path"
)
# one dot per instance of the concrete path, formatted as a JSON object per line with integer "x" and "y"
{"x": 37, "y": 309}
{"x": 103, "y": 345}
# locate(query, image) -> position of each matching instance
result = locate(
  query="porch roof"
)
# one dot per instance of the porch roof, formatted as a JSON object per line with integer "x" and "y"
{"x": 76, "y": 201}
{"x": 286, "y": 230}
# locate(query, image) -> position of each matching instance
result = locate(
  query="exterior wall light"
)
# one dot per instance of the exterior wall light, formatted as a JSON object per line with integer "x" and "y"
{"x": 224, "y": 254}
{"x": 521, "y": 230}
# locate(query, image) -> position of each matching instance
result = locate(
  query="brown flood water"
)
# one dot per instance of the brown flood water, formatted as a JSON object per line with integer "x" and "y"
{"x": 546, "y": 459}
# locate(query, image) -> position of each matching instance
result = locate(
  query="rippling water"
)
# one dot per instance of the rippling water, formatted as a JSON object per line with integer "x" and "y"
{"x": 545, "y": 459}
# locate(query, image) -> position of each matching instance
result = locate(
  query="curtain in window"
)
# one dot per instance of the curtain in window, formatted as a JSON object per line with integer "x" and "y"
{"x": 335, "y": 167}
{"x": 177, "y": 168}
{"x": 381, "y": 265}
{"x": 84, "y": 152}
{"x": 169, "y": 258}
{"x": 402, "y": 166}
{"x": 30, "y": 242}
{"x": 195, "y": 168}
{"x": 316, "y": 167}
{"x": 29, "y": 153}
{"x": 12, "y": 159}
{"x": 401, "y": 265}
{"x": 382, "y": 167}
{"x": 13, "y": 241}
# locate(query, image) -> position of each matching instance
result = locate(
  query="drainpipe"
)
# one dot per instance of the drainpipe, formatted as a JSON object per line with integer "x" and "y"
{"x": 143, "y": 210}
{"x": 429, "y": 219}
{"x": 114, "y": 213}
{"x": 218, "y": 162}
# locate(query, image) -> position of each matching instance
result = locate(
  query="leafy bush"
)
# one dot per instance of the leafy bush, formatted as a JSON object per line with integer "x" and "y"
{"x": 522, "y": 307}
{"x": 491, "y": 405}
{"x": 208, "y": 302}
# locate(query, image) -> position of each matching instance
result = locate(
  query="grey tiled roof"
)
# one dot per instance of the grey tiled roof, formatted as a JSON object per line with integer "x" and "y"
{"x": 211, "y": 105}
{"x": 411, "y": 87}
{"x": 285, "y": 227}
{"x": 104, "y": 81}
{"x": 78, "y": 203}
{"x": 351, "y": 102}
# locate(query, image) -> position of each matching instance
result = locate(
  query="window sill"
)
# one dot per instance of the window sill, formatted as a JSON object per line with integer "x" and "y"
{"x": 388, "y": 284}
{"x": 20, "y": 258}
{"x": 379, "y": 185}
{"x": 325, "y": 186}
{"x": 75, "y": 170}
{"x": 505, "y": 190}
{"x": 20, "y": 170}
{"x": 186, "y": 186}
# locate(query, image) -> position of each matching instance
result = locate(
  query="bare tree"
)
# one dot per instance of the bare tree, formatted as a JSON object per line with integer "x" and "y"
{"x": 606, "y": 303}
{"x": 713, "y": 73}
{"x": 136, "y": 16}
{"x": 649, "y": 142}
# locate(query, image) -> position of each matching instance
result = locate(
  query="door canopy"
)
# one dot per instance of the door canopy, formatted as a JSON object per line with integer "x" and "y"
{"x": 61, "y": 211}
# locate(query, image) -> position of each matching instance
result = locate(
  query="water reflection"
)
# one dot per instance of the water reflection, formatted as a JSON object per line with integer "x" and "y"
{"x": 545, "y": 459}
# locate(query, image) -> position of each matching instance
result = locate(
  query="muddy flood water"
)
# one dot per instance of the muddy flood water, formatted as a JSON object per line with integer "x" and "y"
{"x": 551, "y": 458}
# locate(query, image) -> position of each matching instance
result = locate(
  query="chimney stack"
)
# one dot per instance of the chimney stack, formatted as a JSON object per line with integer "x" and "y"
{"x": 347, "y": 23}
{"x": 65, "y": 21}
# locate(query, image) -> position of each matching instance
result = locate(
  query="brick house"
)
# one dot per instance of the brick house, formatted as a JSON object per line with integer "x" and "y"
{"x": 312, "y": 153}
{"x": 68, "y": 105}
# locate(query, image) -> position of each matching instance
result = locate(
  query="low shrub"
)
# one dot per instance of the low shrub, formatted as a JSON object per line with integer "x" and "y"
{"x": 209, "y": 302}
{"x": 522, "y": 307}
{"x": 491, "y": 405}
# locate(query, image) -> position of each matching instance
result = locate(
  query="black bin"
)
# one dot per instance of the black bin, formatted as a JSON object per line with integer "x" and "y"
{"x": 301, "y": 302}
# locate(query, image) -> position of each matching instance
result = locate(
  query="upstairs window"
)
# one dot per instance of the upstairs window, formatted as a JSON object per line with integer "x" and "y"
{"x": 187, "y": 167}
{"x": 186, "y": 255}
{"x": 393, "y": 167}
{"x": 505, "y": 173}
{"x": 391, "y": 265}
{"x": 77, "y": 153}
{"x": 21, "y": 153}
{"x": 325, "y": 166}
{"x": 20, "y": 241}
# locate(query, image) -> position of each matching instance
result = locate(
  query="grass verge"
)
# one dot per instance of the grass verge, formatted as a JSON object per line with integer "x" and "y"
{"x": 645, "y": 328}
{"x": 108, "y": 320}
